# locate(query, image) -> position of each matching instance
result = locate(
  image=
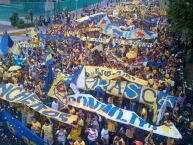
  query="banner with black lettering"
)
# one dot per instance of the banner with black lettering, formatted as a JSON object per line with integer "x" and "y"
{"x": 109, "y": 74}
{"x": 16, "y": 94}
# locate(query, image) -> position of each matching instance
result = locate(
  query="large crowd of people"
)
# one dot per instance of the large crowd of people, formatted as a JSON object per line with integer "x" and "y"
{"x": 164, "y": 62}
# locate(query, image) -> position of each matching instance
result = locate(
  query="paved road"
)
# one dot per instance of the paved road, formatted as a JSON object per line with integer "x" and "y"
{"x": 19, "y": 38}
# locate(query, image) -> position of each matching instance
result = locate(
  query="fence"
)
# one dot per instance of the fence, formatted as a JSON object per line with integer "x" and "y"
{"x": 41, "y": 8}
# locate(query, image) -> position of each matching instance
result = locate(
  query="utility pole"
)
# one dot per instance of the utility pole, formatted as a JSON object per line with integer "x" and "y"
{"x": 76, "y": 9}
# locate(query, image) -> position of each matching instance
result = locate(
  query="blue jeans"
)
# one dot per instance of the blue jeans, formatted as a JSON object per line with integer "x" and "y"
{"x": 89, "y": 142}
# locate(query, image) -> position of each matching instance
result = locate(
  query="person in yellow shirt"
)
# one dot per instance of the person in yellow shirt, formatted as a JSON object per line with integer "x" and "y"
{"x": 36, "y": 126}
{"x": 168, "y": 122}
{"x": 191, "y": 124}
{"x": 111, "y": 128}
{"x": 118, "y": 140}
{"x": 47, "y": 132}
{"x": 130, "y": 134}
{"x": 76, "y": 129}
{"x": 29, "y": 116}
{"x": 71, "y": 110}
{"x": 144, "y": 113}
{"x": 79, "y": 142}
{"x": 148, "y": 140}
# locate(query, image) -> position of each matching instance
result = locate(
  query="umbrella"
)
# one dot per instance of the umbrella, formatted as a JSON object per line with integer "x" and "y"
{"x": 14, "y": 68}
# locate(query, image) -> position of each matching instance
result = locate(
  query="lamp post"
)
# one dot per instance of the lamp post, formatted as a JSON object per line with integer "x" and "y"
{"x": 76, "y": 8}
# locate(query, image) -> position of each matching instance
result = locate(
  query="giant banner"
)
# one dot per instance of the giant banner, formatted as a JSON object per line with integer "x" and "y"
{"x": 133, "y": 34}
{"x": 19, "y": 130}
{"x": 125, "y": 89}
{"x": 109, "y": 74}
{"x": 16, "y": 94}
{"x": 112, "y": 112}
{"x": 129, "y": 90}
{"x": 118, "y": 41}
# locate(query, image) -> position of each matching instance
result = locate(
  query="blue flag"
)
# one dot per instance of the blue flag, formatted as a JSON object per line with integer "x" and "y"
{"x": 5, "y": 44}
{"x": 49, "y": 79}
{"x": 10, "y": 124}
{"x": 49, "y": 59}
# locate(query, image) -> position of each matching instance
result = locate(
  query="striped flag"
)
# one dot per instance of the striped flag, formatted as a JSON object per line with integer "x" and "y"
{"x": 161, "y": 111}
{"x": 49, "y": 60}
{"x": 79, "y": 81}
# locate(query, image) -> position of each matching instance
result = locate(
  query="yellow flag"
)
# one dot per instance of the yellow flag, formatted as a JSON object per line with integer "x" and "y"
{"x": 34, "y": 37}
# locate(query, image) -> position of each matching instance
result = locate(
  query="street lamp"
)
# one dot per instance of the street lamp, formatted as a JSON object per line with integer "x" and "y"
{"x": 76, "y": 8}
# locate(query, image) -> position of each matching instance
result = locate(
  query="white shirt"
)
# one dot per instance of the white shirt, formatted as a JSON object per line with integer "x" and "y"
{"x": 61, "y": 136}
{"x": 92, "y": 134}
{"x": 105, "y": 134}
{"x": 55, "y": 105}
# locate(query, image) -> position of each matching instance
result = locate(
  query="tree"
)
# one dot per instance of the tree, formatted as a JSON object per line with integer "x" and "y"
{"x": 180, "y": 16}
{"x": 20, "y": 23}
{"x": 14, "y": 19}
{"x": 30, "y": 16}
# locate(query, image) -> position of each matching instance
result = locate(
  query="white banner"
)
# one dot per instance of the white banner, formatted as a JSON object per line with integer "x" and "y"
{"x": 110, "y": 111}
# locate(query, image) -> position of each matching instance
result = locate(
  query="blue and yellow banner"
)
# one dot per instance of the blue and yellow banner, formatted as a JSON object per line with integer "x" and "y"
{"x": 58, "y": 89}
{"x": 133, "y": 34}
{"x": 112, "y": 30}
{"x": 125, "y": 89}
{"x": 16, "y": 94}
{"x": 110, "y": 74}
{"x": 10, "y": 124}
{"x": 131, "y": 91}
{"x": 118, "y": 41}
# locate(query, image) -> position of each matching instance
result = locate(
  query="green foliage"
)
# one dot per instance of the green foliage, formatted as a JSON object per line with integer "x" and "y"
{"x": 30, "y": 14}
{"x": 20, "y": 23}
{"x": 14, "y": 18}
{"x": 180, "y": 16}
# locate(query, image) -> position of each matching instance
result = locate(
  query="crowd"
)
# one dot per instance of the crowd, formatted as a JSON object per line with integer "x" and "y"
{"x": 164, "y": 60}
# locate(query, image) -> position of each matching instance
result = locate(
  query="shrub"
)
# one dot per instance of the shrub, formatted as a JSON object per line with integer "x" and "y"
{"x": 14, "y": 19}
{"x": 20, "y": 24}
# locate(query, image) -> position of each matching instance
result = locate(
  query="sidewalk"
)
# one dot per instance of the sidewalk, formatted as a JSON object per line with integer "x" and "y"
{"x": 6, "y": 26}
{"x": 16, "y": 32}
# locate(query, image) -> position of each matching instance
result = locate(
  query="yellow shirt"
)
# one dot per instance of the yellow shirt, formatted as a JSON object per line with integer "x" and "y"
{"x": 170, "y": 141}
{"x": 36, "y": 126}
{"x": 47, "y": 131}
{"x": 72, "y": 111}
{"x": 116, "y": 142}
{"x": 144, "y": 113}
{"x": 80, "y": 123}
{"x": 111, "y": 126}
{"x": 191, "y": 125}
{"x": 29, "y": 118}
{"x": 74, "y": 134}
{"x": 155, "y": 86}
{"x": 130, "y": 132}
{"x": 77, "y": 143}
